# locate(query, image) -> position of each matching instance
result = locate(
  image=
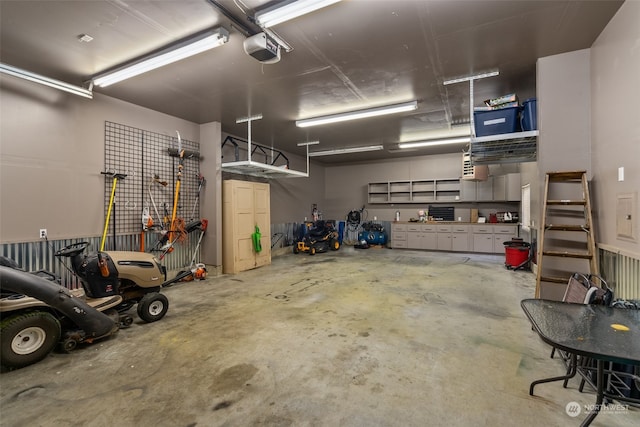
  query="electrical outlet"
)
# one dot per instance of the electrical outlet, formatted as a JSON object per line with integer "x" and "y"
{"x": 43, "y": 233}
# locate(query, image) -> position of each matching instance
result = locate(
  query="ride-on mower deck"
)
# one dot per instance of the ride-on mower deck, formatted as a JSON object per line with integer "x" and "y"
{"x": 320, "y": 236}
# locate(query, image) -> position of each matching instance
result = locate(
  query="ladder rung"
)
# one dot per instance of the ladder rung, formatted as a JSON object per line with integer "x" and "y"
{"x": 565, "y": 176}
{"x": 554, "y": 279}
{"x": 566, "y": 202}
{"x": 567, "y": 227}
{"x": 582, "y": 255}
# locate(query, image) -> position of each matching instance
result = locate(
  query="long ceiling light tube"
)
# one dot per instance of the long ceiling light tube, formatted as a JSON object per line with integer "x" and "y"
{"x": 279, "y": 14}
{"x": 186, "y": 48}
{"x": 359, "y": 114}
{"x": 346, "y": 150}
{"x": 47, "y": 81}
{"x": 473, "y": 77}
{"x": 431, "y": 143}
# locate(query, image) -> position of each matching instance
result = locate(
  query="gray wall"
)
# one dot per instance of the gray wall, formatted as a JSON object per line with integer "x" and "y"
{"x": 564, "y": 116}
{"x": 564, "y": 112}
{"x": 615, "y": 121}
{"x": 52, "y": 154}
{"x": 52, "y": 149}
{"x": 211, "y": 197}
{"x": 347, "y": 185}
{"x": 588, "y": 120}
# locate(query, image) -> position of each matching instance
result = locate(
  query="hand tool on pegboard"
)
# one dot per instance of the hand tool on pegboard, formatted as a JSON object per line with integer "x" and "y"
{"x": 116, "y": 176}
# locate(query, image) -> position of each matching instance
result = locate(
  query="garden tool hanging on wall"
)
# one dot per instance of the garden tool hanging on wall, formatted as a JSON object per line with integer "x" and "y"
{"x": 176, "y": 196}
{"x": 116, "y": 176}
{"x": 201, "y": 182}
{"x": 255, "y": 238}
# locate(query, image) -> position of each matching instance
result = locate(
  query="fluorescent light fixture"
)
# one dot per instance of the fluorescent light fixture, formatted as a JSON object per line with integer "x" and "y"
{"x": 37, "y": 78}
{"x": 249, "y": 119}
{"x": 430, "y": 143}
{"x": 302, "y": 144}
{"x": 279, "y": 14}
{"x": 346, "y": 150}
{"x": 473, "y": 77}
{"x": 181, "y": 50}
{"x": 359, "y": 114}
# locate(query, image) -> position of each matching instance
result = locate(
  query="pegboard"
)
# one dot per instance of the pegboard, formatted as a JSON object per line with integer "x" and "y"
{"x": 150, "y": 175}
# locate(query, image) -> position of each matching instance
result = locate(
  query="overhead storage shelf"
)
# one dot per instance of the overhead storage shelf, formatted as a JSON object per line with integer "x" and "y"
{"x": 275, "y": 164}
{"x": 261, "y": 170}
{"x": 518, "y": 147}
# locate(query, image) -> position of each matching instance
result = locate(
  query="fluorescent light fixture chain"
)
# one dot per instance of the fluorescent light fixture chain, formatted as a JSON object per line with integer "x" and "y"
{"x": 282, "y": 13}
{"x": 346, "y": 150}
{"x": 358, "y": 114}
{"x": 47, "y": 81}
{"x": 184, "y": 49}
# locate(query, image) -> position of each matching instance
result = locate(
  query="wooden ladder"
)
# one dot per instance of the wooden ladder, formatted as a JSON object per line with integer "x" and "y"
{"x": 557, "y": 244}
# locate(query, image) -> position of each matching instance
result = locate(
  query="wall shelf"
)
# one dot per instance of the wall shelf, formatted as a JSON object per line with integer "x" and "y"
{"x": 518, "y": 147}
{"x": 418, "y": 191}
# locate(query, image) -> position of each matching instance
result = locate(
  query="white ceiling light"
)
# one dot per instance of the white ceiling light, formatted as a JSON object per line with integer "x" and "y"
{"x": 37, "y": 78}
{"x": 430, "y": 143}
{"x": 359, "y": 114}
{"x": 181, "y": 50}
{"x": 346, "y": 150}
{"x": 279, "y": 14}
{"x": 470, "y": 78}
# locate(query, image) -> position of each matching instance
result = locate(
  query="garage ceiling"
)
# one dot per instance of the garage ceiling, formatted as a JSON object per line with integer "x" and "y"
{"x": 351, "y": 55}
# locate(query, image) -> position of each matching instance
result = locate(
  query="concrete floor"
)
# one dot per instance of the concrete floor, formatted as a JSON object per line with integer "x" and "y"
{"x": 374, "y": 337}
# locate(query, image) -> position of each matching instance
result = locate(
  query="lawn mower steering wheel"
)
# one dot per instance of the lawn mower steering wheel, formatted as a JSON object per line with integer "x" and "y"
{"x": 73, "y": 249}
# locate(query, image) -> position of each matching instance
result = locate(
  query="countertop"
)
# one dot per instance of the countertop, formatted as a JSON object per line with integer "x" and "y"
{"x": 454, "y": 222}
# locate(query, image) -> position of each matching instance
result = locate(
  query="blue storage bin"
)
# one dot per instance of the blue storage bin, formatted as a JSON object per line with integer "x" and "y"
{"x": 494, "y": 122}
{"x": 529, "y": 118}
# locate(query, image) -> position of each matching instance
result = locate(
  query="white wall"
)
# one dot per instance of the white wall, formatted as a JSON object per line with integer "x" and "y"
{"x": 615, "y": 121}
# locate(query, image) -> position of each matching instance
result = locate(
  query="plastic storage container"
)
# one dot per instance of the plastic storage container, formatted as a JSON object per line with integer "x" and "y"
{"x": 529, "y": 118}
{"x": 494, "y": 122}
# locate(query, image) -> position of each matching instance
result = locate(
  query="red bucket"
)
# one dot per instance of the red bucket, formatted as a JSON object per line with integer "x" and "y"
{"x": 516, "y": 252}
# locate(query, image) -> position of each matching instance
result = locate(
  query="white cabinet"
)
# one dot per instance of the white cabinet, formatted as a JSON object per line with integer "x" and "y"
{"x": 497, "y": 188}
{"x": 245, "y": 205}
{"x": 420, "y": 236}
{"x": 514, "y": 187}
{"x": 443, "y": 237}
{"x": 490, "y": 238}
{"x": 507, "y": 187}
{"x": 456, "y": 237}
{"x": 460, "y": 238}
{"x": 398, "y": 235}
{"x": 429, "y": 232}
{"x": 501, "y": 234}
{"x": 484, "y": 190}
{"x": 483, "y": 238}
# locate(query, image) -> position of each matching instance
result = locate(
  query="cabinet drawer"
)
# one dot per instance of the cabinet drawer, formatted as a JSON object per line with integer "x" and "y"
{"x": 398, "y": 243}
{"x": 414, "y": 227}
{"x": 399, "y": 235}
{"x": 429, "y": 228}
{"x": 398, "y": 227}
{"x": 488, "y": 229}
{"x": 505, "y": 229}
{"x": 444, "y": 228}
{"x": 460, "y": 228}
